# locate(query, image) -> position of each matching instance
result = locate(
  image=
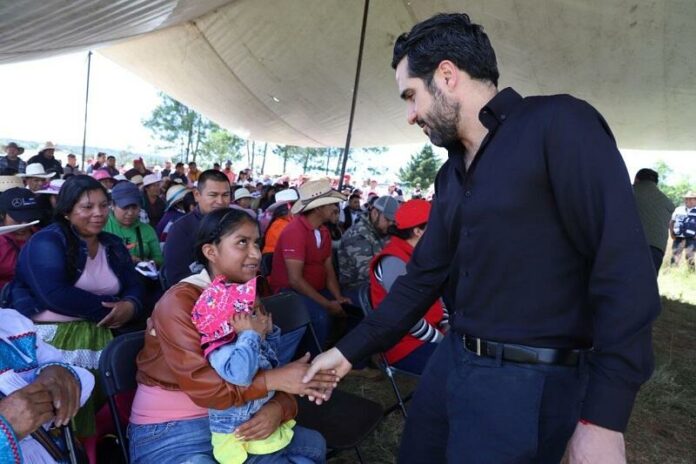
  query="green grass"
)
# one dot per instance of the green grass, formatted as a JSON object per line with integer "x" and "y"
{"x": 663, "y": 425}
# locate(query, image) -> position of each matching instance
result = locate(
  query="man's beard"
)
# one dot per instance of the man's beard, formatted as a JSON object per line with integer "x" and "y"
{"x": 442, "y": 119}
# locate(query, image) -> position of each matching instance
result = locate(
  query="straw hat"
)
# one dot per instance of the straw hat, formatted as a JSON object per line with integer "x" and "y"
{"x": 137, "y": 179}
{"x": 20, "y": 150}
{"x": 690, "y": 194}
{"x": 175, "y": 194}
{"x": 15, "y": 227}
{"x": 8, "y": 182}
{"x": 53, "y": 187}
{"x": 316, "y": 193}
{"x": 35, "y": 170}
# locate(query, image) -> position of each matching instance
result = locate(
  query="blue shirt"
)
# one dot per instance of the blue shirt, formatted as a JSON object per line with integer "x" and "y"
{"x": 539, "y": 243}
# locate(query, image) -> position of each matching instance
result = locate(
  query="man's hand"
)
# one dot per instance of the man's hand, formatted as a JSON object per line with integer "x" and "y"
{"x": 27, "y": 408}
{"x": 335, "y": 309}
{"x": 333, "y": 361}
{"x": 262, "y": 424}
{"x": 591, "y": 444}
{"x": 121, "y": 312}
{"x": 65, "y": 392}
{"x": 344, "y": 300}
{"x": 290, "y": 379}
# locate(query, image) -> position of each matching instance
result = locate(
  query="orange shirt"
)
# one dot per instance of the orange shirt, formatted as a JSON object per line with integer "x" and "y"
{"x": 273, "y": 233}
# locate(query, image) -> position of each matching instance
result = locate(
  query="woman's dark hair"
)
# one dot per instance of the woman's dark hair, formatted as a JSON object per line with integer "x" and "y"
{"x": 69, "y": 195}
{"x": 189, "y": 202}
{"x": 404, "y": 234}
{"x": 216, "y": 225}
{"x": 447, "y": 37}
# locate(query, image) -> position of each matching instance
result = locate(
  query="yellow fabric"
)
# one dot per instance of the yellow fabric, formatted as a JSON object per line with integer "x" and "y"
{"x": 228, "y": 449}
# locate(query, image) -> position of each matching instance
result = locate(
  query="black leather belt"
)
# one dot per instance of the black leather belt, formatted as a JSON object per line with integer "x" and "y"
{"x": 522, "y": 353}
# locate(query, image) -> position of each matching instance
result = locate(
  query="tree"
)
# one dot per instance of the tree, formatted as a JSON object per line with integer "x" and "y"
{"x": 177, "y": 124}
{"x": 220, "y": 146}
{"x": 674, "y": 190}
{"x": 421, "y": 169}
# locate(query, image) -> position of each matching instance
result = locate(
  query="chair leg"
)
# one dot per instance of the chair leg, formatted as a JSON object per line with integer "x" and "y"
{"x": 360, "y": 458}
{"x": 119, "y": 430}
{"x": 400, "y": 402}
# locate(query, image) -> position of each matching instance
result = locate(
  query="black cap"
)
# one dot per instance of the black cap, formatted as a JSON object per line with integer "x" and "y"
{"x": 20, "y": 204}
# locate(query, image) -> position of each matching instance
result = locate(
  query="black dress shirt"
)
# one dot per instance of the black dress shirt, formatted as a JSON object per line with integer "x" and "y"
{"x": 537, "y": 243}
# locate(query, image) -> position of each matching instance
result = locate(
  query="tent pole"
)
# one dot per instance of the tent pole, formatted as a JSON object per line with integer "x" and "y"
{"x": 84, "y": 133}
{"x": 346, "y": 150}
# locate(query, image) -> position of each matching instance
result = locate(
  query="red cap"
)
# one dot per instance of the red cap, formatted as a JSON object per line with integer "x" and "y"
{"x": 412, "y": 213}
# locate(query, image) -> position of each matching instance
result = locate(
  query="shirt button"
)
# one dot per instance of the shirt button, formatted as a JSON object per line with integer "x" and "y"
{"x": 467, "y": 193}
{"x": 503, "y": 117}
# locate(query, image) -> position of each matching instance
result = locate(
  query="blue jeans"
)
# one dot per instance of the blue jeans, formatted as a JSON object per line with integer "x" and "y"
{"x": 307, "y": 447}
{"x": 483, "y": 410}
{"x": 175, "y": 442}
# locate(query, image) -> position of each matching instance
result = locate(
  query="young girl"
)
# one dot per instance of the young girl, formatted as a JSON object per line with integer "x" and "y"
{"x": 239, "y": 339}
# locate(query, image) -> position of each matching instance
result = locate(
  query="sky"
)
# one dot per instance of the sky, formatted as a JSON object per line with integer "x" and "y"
{"x": 44, "y": 100}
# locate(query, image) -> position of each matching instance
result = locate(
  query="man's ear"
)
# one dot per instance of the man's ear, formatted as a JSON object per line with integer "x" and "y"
{"x": 448, "y": 73}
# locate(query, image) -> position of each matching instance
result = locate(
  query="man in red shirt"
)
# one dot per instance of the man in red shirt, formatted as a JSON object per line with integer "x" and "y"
{"x": 302, "y": 258}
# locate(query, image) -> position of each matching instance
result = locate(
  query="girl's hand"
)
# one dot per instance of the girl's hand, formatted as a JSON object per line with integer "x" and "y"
{"x": 262, "y": 424}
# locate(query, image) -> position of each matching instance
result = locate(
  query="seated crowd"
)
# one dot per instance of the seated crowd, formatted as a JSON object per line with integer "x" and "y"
{"x": 88, "y": 256}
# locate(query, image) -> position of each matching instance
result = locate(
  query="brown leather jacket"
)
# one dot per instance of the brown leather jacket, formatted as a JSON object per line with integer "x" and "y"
{"x": 173, "y": 359}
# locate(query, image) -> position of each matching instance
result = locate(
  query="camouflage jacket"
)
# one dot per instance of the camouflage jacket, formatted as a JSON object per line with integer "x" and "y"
{"x": 359, "y": 245}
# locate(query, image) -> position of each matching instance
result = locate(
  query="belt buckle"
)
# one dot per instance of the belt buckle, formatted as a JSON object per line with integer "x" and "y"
{"x": 478, "y": 345}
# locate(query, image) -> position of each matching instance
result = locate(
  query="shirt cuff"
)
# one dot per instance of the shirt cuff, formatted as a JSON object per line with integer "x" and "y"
{"x": 68, "y": 367}
{"x": 10, "y": 451}
{"x": 608, "y": 406}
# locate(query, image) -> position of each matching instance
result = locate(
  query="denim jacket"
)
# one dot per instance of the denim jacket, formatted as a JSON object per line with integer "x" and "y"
{"x": 42, "y": 282}
{"x": 237, "y": 363}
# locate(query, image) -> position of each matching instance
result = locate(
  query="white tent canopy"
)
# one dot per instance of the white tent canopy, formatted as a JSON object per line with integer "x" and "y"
{"x": 282, "y": 71}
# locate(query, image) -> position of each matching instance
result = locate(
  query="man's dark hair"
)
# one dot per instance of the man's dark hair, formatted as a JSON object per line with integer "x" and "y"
{"x": 179, "y": 165}
{"x": 447, "y": 37}
{"x": 211, "y": 175}
{"x": 647, "y": 174}
{"x": 111, "y": 157}
{"x": 353, "y": 196}
{"x": 192, "y": 163}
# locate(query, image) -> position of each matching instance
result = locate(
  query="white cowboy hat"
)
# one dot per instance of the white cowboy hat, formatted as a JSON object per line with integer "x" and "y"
{"x": 8, "y": 182}
{"x": 241, "y": 193}
{"x": 316, "y": 193}
{"x": 282, "y": 198}
{"x": 53, "y": 187}
{"x": 35, "y": 170}
{"x": 48, "y": 146}
{"x": 150, "y": 179}
{"x": 15, "y": 227}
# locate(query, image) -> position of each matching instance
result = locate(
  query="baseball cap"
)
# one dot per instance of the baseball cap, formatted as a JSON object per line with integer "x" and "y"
{"x": 20, "y": 204}
{"x": 412, "y": 213}
{"x": 387, "y": 205}
{"x": 125, "y": 194}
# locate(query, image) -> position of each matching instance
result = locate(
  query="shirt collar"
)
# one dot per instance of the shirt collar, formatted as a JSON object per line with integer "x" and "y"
{"x": 497, "y": 110}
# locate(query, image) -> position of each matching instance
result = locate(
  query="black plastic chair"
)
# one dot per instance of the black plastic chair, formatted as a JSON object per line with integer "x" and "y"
{"x": 346, "y": 419}
{"x": 389, "y": 370}
{"x": 117, "y": 367}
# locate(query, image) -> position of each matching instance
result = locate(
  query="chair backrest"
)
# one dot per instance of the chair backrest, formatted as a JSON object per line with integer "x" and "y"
{"x": 117, "y": 362}
{"x": 364, "y": 299}
{"x": 290, "y": 313}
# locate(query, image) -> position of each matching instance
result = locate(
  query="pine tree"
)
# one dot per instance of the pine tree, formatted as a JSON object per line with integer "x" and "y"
{"x": 421, "y": 169}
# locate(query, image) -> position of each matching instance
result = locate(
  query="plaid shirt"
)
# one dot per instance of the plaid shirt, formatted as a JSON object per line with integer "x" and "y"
{"x": 6, "y": 170}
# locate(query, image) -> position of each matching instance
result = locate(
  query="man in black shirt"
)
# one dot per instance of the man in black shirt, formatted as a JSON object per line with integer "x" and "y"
{"x": 535, "y": 242}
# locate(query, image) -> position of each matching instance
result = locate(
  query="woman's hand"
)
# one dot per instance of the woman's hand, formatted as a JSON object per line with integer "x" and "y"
{"x": 288, "y": 378}
{"x": 121, "y": 312}
{"x": 264, "y": 423}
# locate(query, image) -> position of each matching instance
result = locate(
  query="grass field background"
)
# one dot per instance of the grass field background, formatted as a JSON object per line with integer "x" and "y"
{"x": 663, "y": 424}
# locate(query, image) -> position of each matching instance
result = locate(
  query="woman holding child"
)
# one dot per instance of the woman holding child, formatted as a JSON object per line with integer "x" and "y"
{"x": 178, "y": 388}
